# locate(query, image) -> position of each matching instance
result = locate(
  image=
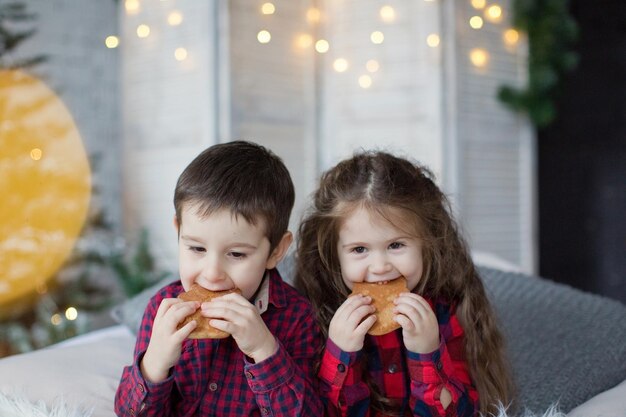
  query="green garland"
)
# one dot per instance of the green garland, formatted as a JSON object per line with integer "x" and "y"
{"x": 551, "y": 33}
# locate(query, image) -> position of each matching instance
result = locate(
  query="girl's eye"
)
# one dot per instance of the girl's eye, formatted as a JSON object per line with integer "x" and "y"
{"x": 359, "y": 249}
{"x": 396, "y": 245}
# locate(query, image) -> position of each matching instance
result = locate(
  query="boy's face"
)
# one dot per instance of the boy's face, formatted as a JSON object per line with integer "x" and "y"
{"x": 220, "y": 251}
{"x": 373, "y": 250}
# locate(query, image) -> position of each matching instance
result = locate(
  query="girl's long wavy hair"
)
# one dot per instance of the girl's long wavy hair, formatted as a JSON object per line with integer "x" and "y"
{"x": 388, "y": 185}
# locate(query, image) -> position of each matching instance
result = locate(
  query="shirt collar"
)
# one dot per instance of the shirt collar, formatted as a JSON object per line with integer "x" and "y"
{"x": 270, "y": 291}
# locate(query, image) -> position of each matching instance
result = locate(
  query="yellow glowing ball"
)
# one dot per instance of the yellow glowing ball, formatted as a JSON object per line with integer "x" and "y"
{"x": 45, "y": 181}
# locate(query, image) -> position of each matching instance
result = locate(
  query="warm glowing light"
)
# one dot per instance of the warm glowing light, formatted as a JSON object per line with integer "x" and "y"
{"x": 377, "y": 37}
{"x": 71, "y": 313}
{"x": 322, "y": 46}
{"x": 35, "y": 154}
{"x": 479, "y": 57}
{"x": 479, "y": 4}
{"x": 143, "y": 31}
{"x": 175, "y": 18}
{"x": 387, "y": 14}
{"x": 112, "y": 42}
{"x": 494, "y": 13}
{"x": 340, "y": 64}
{"x": 372, "y": 65}
{"x": 511, "y": 37}
{"x": 365, "y": 81}
{"x": 56, "y": 319}
{"x": 264, "y": 36}
{"x": 433, "y": 40}
{"x": 180, "y": 54}
{"x": 313, "y": 15}
{"x": 132, "y": 6}
{"x": 304, "y": 40}
{"x": 476, "y": 22}
{"x": 268, "y": 8}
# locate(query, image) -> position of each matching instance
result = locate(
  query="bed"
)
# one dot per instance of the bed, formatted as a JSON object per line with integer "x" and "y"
{"x": 567, "y": 349}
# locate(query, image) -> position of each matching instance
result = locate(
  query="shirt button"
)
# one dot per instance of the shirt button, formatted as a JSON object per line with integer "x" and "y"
{"x": 140, "y": 388}
{"x": 439, "y": 366}
{"x": 265, "y": 411}
{"x": 249, "y": 375}
{"x": 213, "y": 386}
{"x": 393, "y": 368}
{"x": 341, "y": 367}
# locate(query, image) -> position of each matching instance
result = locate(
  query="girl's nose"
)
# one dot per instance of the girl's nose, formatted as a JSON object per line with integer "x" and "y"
{"x": 380, "y": 265}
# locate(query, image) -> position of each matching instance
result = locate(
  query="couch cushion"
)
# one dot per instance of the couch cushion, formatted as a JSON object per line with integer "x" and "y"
{"x": 564, "y": 344}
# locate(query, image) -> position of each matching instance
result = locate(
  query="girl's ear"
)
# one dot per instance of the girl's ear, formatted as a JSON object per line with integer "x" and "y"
{"x": 279, "y": 251}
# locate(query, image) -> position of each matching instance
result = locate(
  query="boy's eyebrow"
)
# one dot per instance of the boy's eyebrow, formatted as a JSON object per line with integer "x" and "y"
{"x": 237, "y": 244}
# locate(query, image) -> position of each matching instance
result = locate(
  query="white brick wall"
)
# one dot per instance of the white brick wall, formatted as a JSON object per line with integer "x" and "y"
{"x": 84, "y": 73}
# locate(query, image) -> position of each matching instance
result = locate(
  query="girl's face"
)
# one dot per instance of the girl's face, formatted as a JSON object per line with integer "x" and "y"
{"x": 371, "y": 249}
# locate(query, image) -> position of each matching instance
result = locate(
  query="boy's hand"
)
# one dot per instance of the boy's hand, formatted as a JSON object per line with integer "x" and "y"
{"x": 350, "y": 323}
{"x": 420, "y": 329}
{"x": 234, "y": 314}
{"x": 166, "y": 340}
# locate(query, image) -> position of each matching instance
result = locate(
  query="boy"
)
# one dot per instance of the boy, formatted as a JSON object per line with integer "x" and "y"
{"x": 233, "y": 204}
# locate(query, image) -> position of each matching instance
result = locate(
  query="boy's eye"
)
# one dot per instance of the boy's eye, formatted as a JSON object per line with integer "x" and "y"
{"x": 359, "y": 249}
{"x": 396, "y": 245}
{"x": 238, "y": 255}
{"x": 197, "y": 249}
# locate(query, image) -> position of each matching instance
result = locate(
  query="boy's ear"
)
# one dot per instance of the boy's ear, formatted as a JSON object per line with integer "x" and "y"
{"x": 279, "y": 251}
{"x": 176, "y": 225}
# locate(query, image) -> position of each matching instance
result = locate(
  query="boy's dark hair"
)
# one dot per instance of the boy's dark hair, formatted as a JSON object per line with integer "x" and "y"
{"x": 244, "y": 177}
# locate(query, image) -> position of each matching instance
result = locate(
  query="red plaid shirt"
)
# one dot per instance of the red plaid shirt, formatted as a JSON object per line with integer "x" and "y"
{"x": 412, "y": 381}
{"x": 213, "y": 377}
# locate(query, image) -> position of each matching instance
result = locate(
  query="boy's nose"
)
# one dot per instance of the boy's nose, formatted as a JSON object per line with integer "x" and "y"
{"x": 213, "y": 276}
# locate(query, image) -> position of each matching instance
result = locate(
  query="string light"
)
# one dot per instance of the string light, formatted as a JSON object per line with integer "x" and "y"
{"x": 494, "y": 13}
{"x": 365, "y": 81}
{"x": 322, "y": 46}
{"x": 56, "y": 319}
{"x": 143, "y": 31}
{"x": 180, "y": 54}
{"x": 132, "y": 6}
{"x": 264, "y": 36}
{"x": 479, "y": 4}
{"x": 313, "y": 15}
{"x": 476, "y": 22}
{"x": 268, "y": 8}
{"x": 433, "y": 40}
{"x": 511, "y": 37}
{"x": 35, "y": 154}
{"x": 377, "y": 37}
{"x": 372, "y": 65}
{"x": 479, "y": 57}
{"x": 340, "y": 65}
{"x": 71, "y": 313}
{"x": 175, "y": 18}
{"x": 112, "y": 42}
{"x": 387, "y": 14}
{"x": 304, "y": 40}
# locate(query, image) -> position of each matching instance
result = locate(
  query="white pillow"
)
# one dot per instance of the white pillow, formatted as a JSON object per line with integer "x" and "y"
{"x": 610, "y": 403}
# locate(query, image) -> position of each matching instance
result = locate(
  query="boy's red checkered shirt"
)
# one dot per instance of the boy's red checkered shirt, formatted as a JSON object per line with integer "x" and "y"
{"x": 214, "y": 378}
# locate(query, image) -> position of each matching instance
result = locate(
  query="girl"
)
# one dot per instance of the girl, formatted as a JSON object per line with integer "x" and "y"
{"x": 377, "y": 217}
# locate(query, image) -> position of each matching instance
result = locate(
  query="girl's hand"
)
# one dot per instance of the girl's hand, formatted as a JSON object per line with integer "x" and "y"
{"x": 350, "y": 323}
{"x": 420, "y": 329}
{"x": 166, "y": 340}
{"x": 234, "y": 314}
